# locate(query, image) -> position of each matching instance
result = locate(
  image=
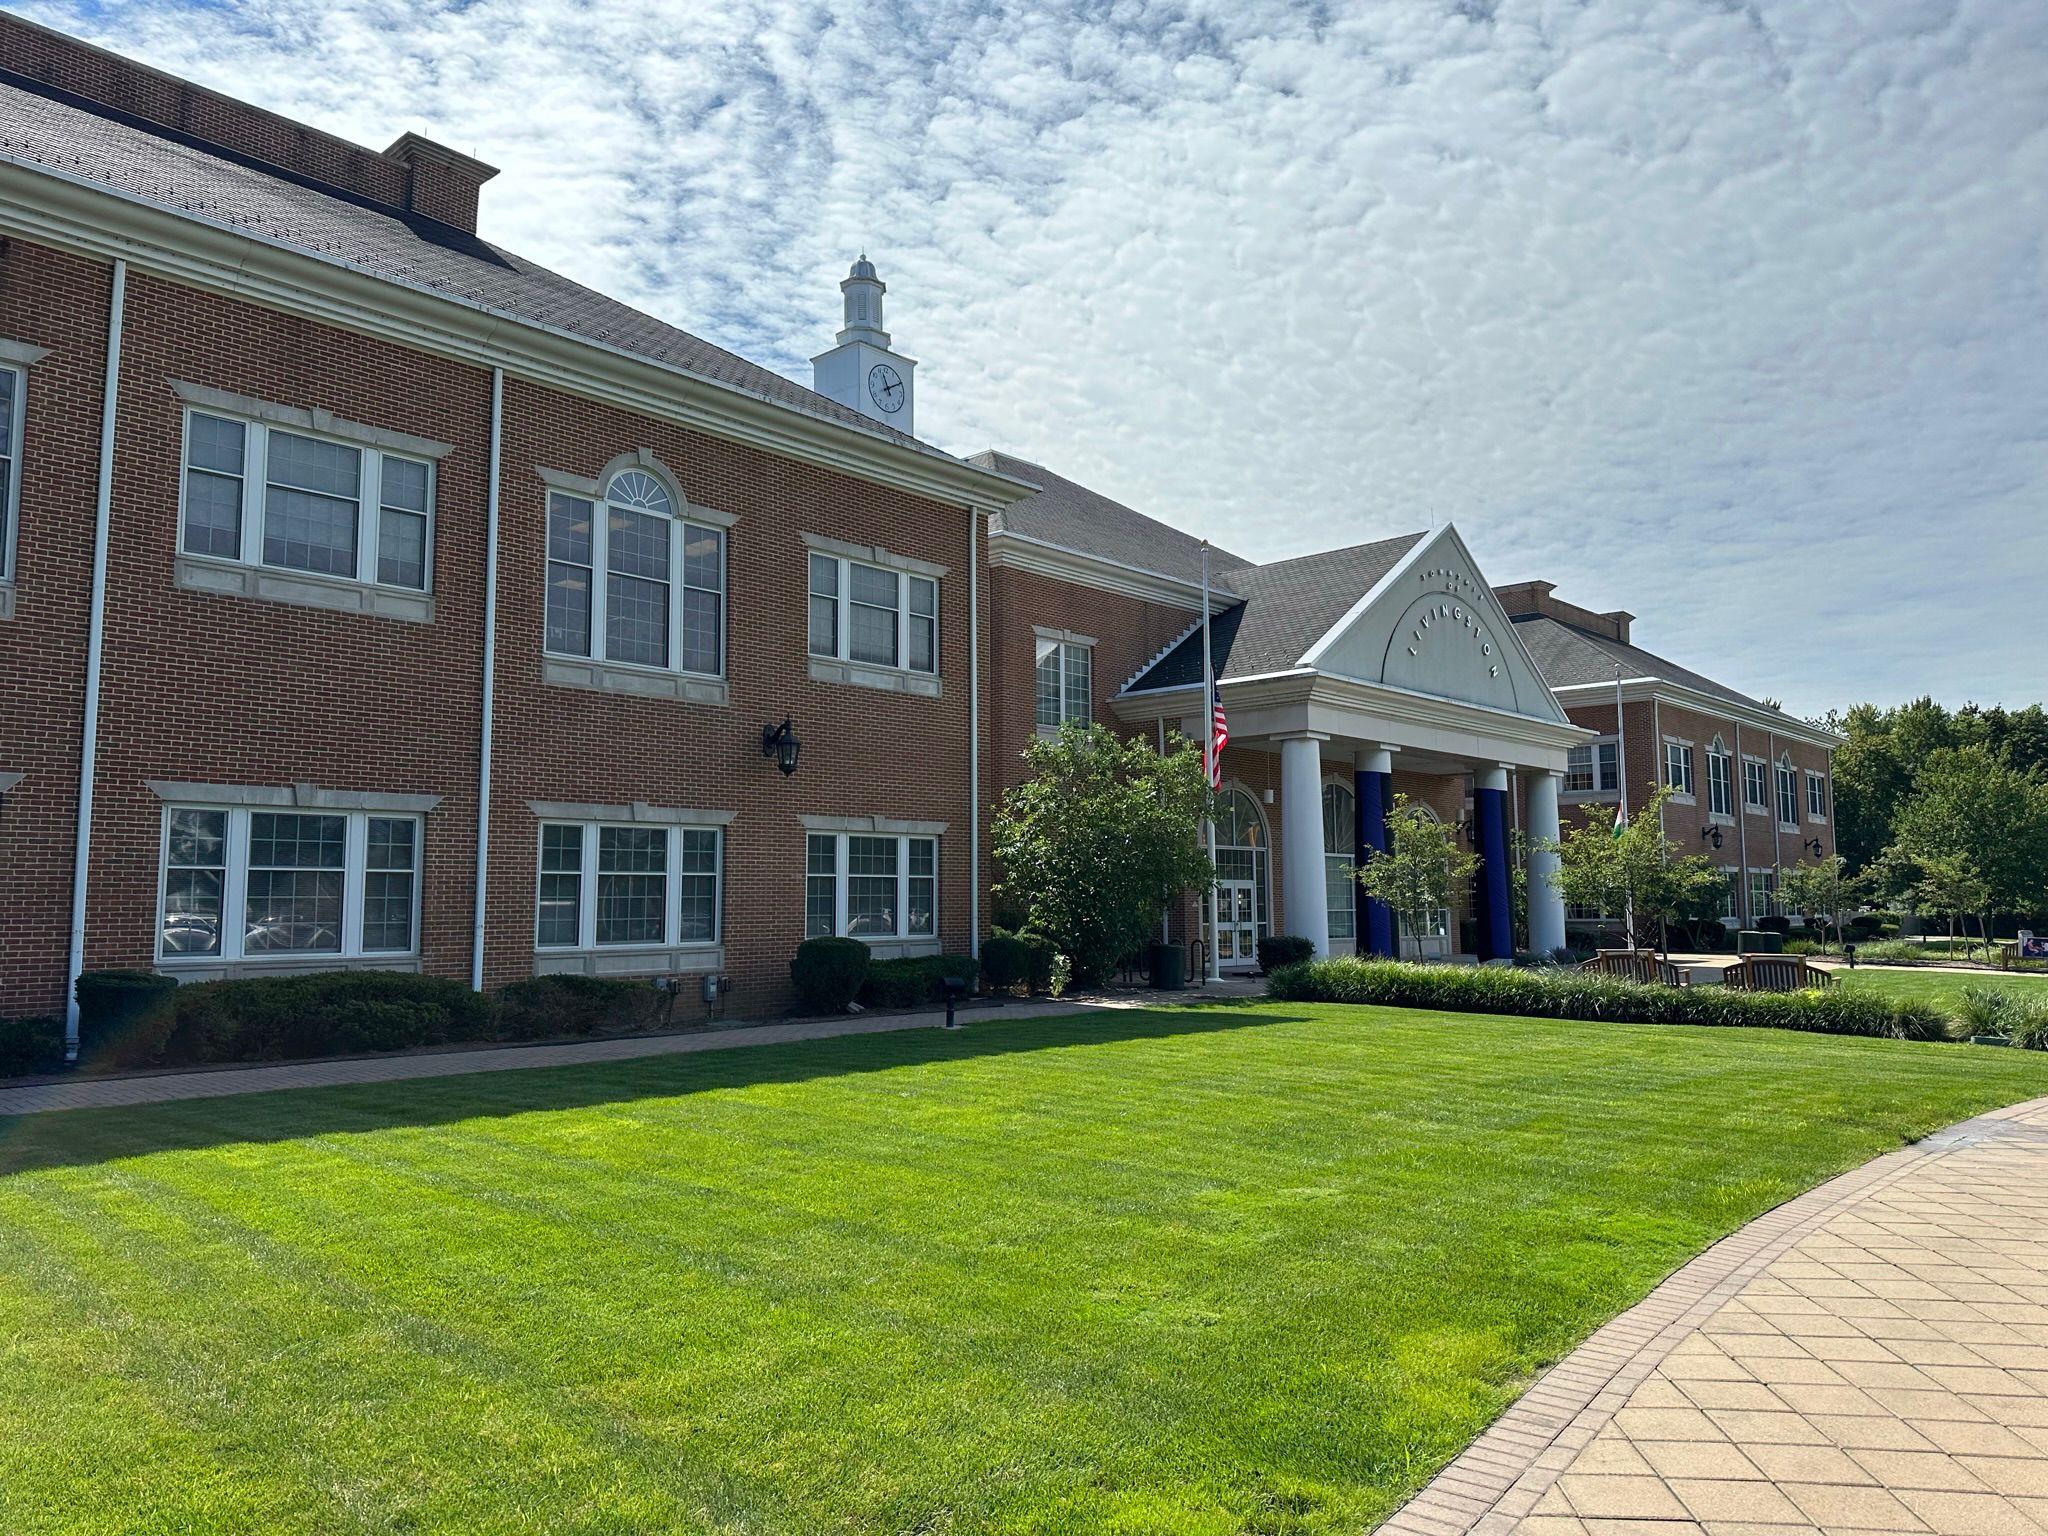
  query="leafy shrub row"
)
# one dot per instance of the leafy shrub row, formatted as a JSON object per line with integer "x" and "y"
{"x": 1010, "y": 957}
{"x": 30, "y": 1046}
{"x": 1570, "y": 995}
{"x": 828, "y": 974}
{"x": 1278, "y": 949}
{"x": 909, "y": 983}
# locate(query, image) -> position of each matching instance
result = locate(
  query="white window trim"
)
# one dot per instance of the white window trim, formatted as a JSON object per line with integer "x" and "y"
{"x": 1756, "y": 808}
{"x": 1733, "y": 877}
{"x": 1812, "y": 779}
{"x": 841, "y": 666}
{"x": 840, "y": 828}
{"x": 1349, "y": 787}
{"x": 1689, "y": 795}
{"x": 1749, "y": 889}
{"x": 672, "y": 954}
{"x": 573, "y": 669}
{"x": 1596, "y": 793}
{"x": 16, "y": 358}
{"x": 231, "y": 961}
{"x": 1067, "y": 641}
{"x": 1717, "y": 751}
{"x": 1779, "y": 772}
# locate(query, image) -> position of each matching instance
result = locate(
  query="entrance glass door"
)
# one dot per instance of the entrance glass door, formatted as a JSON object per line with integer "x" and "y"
{"x": 1237, "y": 916}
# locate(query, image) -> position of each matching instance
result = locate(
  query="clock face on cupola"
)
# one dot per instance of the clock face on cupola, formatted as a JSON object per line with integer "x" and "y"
{"x": 864, "y": 371}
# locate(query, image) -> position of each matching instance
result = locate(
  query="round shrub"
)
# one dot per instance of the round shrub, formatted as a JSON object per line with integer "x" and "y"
{"x": 1004, "y": 961}
{"x": 125, "y": 1018}
{"x": 1280, "y": 949}
{"x": 32, "y": 1045}
{"x": 1039, "y": 956}
{"x": 827, "y": 973}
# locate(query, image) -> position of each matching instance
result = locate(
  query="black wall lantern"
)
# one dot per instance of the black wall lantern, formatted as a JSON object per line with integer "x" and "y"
{"x": 1711, "y": 835}
{"x": 780, "y": 743}
{"x": 1813, "y": 846}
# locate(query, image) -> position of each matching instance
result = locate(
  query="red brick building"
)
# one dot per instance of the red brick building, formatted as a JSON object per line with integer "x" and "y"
{"x": 373, "y": 597}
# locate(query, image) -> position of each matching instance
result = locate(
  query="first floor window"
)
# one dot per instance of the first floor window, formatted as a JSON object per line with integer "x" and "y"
{"x": 1066, "y": 683}
{"x": 1731, "y": 895}
{"x": 631, "y": 580}
{"x": 871, "y": 886}
{"x": 251, "y": 884}
{"x": 1763, "y": 889}
{"x": 1755, "y": 785}
{"x": 1678, "y": 767}
{"x": 11, "y": 401}
{"x": 873, "y": 615}
{"x": 1592, "y": 767}
{"x": 264, "y": 495}
{"x": 1340, "y": 828}
{"x": 1584, "y": 912}
{"x": 604, "y": 886}
{"x": 1720, "y": 792}
{"x": 1816, "y": 797}
{"x": 1788, "y": 795}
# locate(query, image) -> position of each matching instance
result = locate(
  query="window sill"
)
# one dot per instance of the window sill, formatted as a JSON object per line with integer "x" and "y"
{"x": 6, "y": 599}
{"x": 640, "y": 682}
{"x": 1720, "y": 819}
{"x": 899, "y": 949}
{"x": 193, "y": 968}
{"x": 198, "y": 573}
{"x": 1590, "y": 796}
{"x": 888, "y": 679}
{"x": 631, "y": 960}
{"x": 1678, "y": 799}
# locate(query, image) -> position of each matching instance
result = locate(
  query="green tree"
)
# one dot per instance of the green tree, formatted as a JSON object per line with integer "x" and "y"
{"x": 1967, "y": 802}
{"x": 1420, "y": 868}
{"x": 1636, "y": 872}
{"x": 1948, "y": 885}
{"x": 1102, "y": 836}
{"x": 1822, "y": 889}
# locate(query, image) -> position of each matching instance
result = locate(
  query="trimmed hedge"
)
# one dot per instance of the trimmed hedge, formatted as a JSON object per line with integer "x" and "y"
{"x": 328, "y": 1013}
{"x": 545, "y": 1006}
{"x": 1572, "y": 995}
{"x": 912, "y": 982}
{"x": 827, "y": 973}
{"x": 1278, "y": 949}
{"x": 32, "y": 1045}
{"x": 1005, "y": 961}
{"x": 125, "y": 1018}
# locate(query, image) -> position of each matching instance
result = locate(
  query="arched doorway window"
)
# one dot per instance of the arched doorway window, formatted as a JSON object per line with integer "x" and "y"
{"x": 1340, "y": 831}
{"x": 1243, "y": 873}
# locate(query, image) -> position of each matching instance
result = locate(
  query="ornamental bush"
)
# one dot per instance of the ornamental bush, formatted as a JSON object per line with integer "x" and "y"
{"x": 1278, "y": 949}
{"x": 31, "y": 1045}
{"x": 1005, "y": 961}
{"x": 547, "y": 1007}
{"x": 827, "y": 973}
{"x": 913, "y": 982}
{"x": 1573, "y": 995}
{"x": 327, "y": 1013}
{"x": 125, "y": 1018}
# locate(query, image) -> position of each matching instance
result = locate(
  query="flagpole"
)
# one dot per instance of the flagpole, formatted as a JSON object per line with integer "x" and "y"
{"x": 1209, "y": 763}
{"x": 1621, "y": 779}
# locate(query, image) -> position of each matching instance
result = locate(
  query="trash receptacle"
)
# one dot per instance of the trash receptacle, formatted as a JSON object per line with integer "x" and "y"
{"x": 1169, "y": 967}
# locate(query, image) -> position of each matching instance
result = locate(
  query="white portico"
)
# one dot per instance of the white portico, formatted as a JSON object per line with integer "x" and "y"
{"x": 1349, "y": 678}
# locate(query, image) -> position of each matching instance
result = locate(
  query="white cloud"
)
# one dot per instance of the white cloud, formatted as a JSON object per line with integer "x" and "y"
{"x": 1732, "y": 317}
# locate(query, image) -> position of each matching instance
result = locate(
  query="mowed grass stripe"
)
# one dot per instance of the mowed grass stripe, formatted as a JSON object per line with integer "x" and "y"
{"x": 1200, "y": 1270}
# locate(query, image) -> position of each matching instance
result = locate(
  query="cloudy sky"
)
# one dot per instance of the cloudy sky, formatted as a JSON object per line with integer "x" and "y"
{"x": 1732, "y": 315}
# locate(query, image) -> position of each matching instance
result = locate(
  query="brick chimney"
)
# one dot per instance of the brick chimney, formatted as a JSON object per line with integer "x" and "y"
{"x": 1524, "y": 599}
{"x": 415, "y": 174}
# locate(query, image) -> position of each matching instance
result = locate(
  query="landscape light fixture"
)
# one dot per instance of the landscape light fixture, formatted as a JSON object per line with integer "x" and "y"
{"x": 780, "y": 743}
{"x": 1711, "y": 835}
{"x": 1813, "y": 846}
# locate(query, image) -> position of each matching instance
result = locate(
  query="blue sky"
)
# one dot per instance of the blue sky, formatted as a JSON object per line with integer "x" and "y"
{"x": 1732, "y": 315}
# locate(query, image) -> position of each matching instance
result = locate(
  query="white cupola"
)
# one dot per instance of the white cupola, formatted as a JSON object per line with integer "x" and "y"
{"x": 863, "y": 371}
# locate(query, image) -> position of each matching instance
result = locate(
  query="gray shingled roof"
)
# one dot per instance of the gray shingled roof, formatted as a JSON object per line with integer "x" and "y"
{"x": 1288, "y": 606}
{"x": 152, "y": 164}
{"x": 1568, "y": 656}
{"x": 1074, "y": 517}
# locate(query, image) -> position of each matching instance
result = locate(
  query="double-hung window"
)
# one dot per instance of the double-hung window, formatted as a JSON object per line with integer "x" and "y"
{"x": 1731, "y": 895}
{"x": 605, "y": 886}
{"x": 255, "y": 884}
{"x": 1788, "y": 795}
{"x": 1763, "y": 891}
{"x": 261, "y": 494}
{"x": 873, "y": 615}
{"x": 1816, "y": 797}
{"x": 1755, "y": 785}
{"x": 1065, "y": 683}
{"x": 12, "y": 409}
{"x": 633, "y": 581}
{"x": 1593, "y": 768}
{"x": 871, "y": 886}
{"x": 1678, "y": 768}
{"x": 1720, "y": 791}
{"x": 1340, "y": 832}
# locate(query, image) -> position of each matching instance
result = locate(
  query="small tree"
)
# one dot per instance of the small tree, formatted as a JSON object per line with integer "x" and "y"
{"x": 1967, "y": 803}
{"x": 1420, "y": 868}
{"x": 1823, "y": 889}
{"x": 1099, "y": 839}
{"x": 1948, "y": 885}
{"x": 1635, "y": 871}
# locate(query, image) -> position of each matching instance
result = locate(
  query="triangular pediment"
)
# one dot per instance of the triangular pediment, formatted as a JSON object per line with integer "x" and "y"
{"x": 1432, "y": 626}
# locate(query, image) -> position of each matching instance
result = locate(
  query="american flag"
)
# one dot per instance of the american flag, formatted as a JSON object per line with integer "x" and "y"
{"x": 1219, "y": 737}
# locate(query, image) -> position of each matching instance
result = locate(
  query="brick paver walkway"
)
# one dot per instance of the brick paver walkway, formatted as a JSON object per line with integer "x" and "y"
{"x": 115, "y": 1092}
{"x": 1871, "y": 1357}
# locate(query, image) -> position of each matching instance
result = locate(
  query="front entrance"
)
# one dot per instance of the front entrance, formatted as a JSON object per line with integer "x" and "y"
{"x": 1237, "y": 914}
{"x": 1243, "y": 875}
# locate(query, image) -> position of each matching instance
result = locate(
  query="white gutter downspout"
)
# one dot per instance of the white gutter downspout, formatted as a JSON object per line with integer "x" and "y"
{"x": 483, "y": 788}
{"x": 95, "y": 643}
{"x": 974, "y": 529}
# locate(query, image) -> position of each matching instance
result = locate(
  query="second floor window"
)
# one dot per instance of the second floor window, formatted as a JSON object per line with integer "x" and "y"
{"x": 1720, "y": 791}
{"x": 1678, "y": 767}
{"x": 1065, "y": 684}
{"x": 873, "y": 615}
{"x": 1788, "y": 795}
{"x": 1592, "y": 767}
{"x": 1816, "y": 797}
{"x": 263, "y": 495}
{"x": 10, "y": 463}
{"x": 632, "y": 581}
{"x": 1755, "y": 785}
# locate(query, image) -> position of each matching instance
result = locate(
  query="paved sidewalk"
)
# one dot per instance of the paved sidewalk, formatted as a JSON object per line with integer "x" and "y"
{"x": 115, "y": 1092}
{"x": 1871, "y": 1357}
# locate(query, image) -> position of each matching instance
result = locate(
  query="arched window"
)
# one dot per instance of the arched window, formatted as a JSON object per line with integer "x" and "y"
{"x": 1340, "y": 832}
{"x": 1243, "y": 873}
{"x": 644, "y": 577}
{"x": 1788, "y": 793}
{"x": 1720, "y": 779}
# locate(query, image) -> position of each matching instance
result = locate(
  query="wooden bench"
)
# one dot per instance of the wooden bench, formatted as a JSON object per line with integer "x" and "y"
{"x": 1634, "y": 965}
{"x": 1775, "y": 973}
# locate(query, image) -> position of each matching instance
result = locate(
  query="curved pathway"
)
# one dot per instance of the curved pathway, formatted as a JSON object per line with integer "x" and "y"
{"x": 1870, "y": 1357}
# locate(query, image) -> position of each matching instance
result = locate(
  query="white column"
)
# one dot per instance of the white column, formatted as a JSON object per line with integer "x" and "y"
{"x": 1301, "y": 836}
{"x": 1546, "y": 902}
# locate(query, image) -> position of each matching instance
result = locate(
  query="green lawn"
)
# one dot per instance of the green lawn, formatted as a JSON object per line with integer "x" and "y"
{"x": 1233, "y": 1269}
{"x": 1940, "y": 987}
